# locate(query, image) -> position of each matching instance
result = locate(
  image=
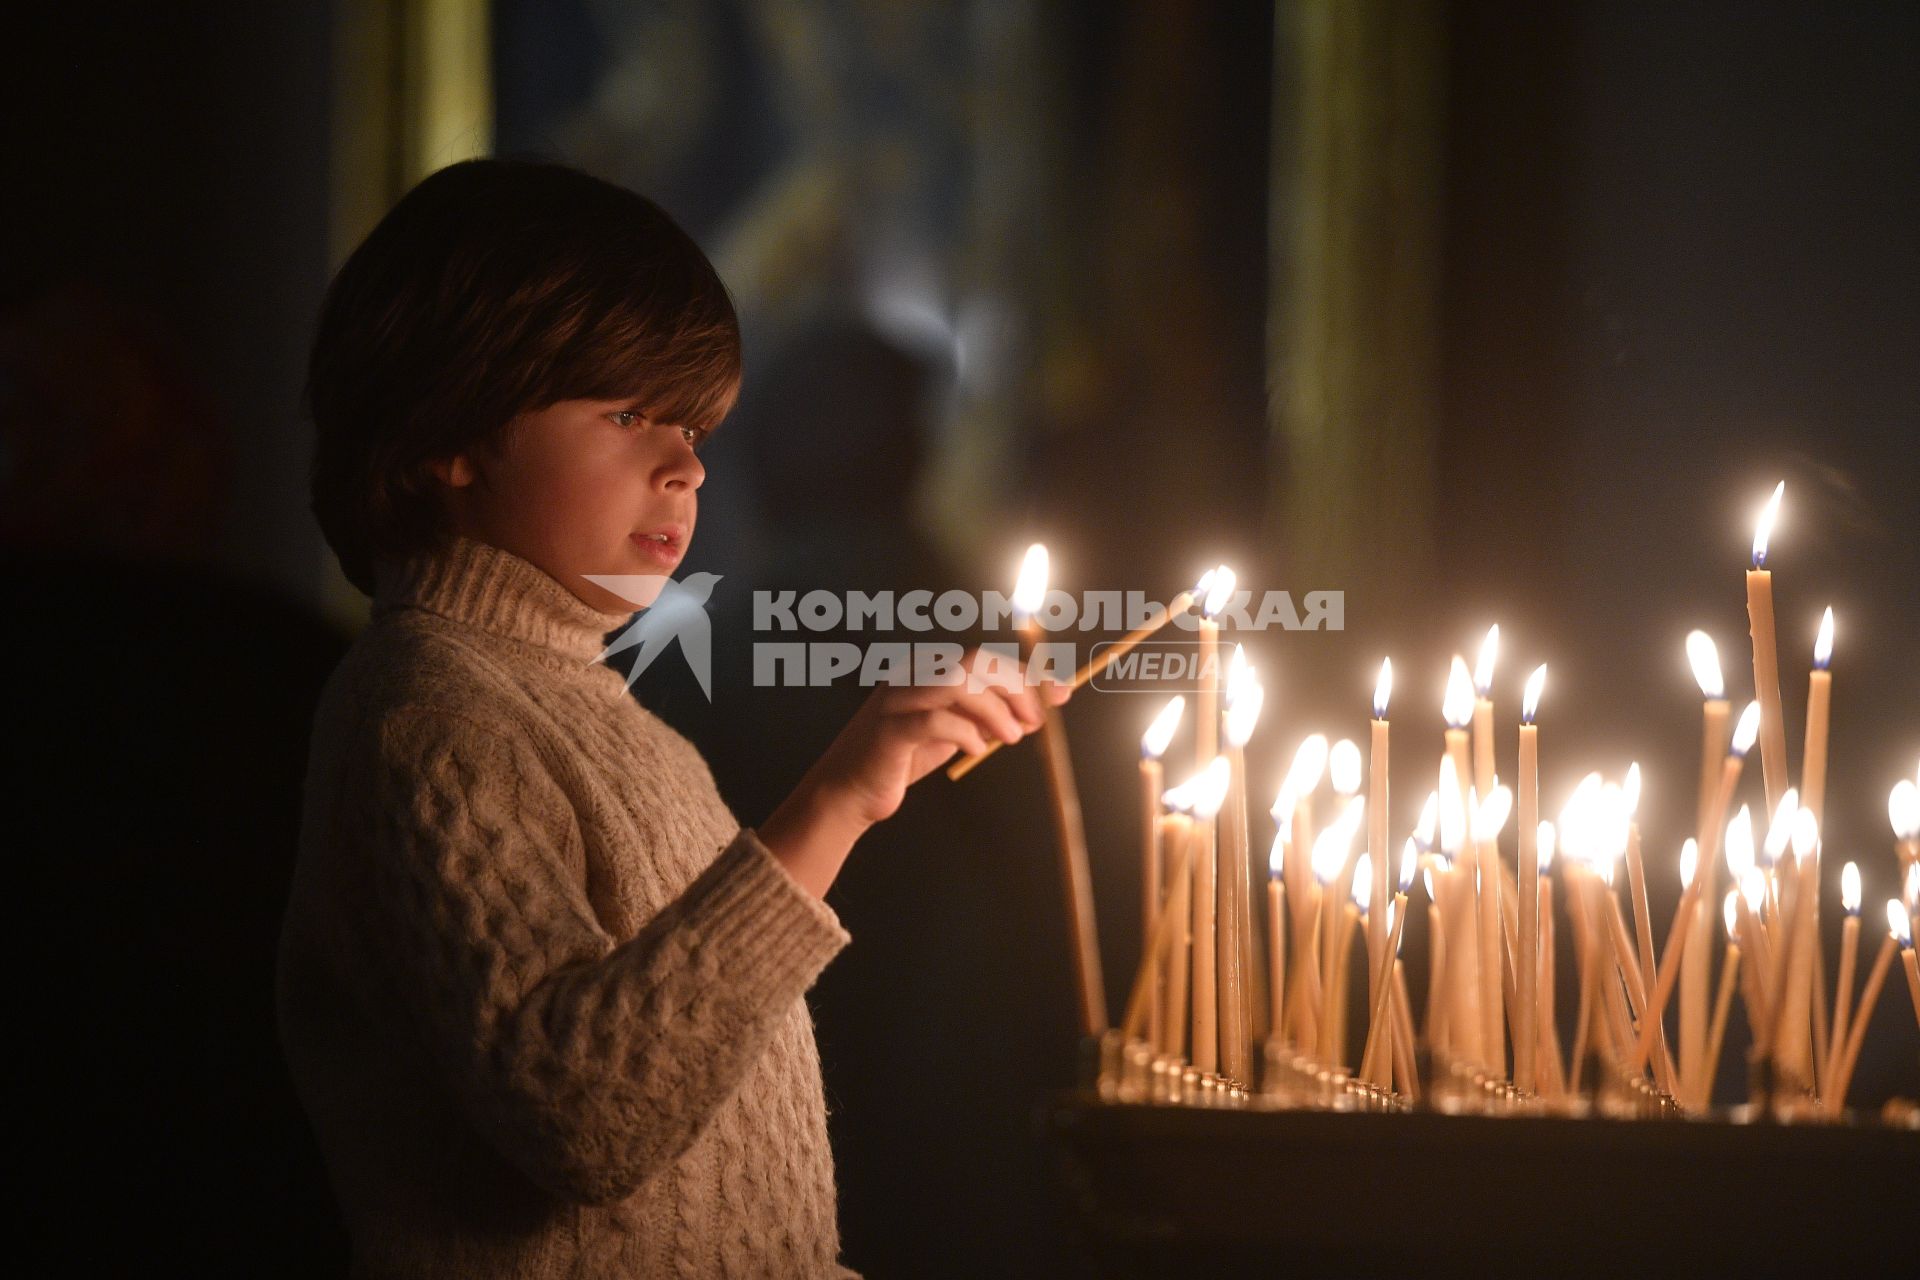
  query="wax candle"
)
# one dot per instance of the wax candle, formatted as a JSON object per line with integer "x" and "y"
{"x": 1903, "y": 811}
{"x": 1330, "y": 851}
{"x": 1277, "y": 939}
{"x": 1456, "y": 709}
{"x": 1344, "y": 775}
{"x": 1483, "y": 666}
{"x": 1809, "y": 991}
{"x": 1153, "y": 880}
{"x": 1793, "y": 1030}
{"x": 1643, "y": 929}
{"x": 1697, "y": 962}
{"x": 1709, "y": 1065}
{"x": 1380, "y": 1020}
{"x": 1899, "y": 937}
{"x": 1377, "y": 762}
{"x": 1548, "y": 1034}
{"x": 1216, "y": 590}
{"x": 1244, "y": 700}
{"x": 1294, "y": 809}
{"x": 1766, "y": 659}
{"x": 1527, "y": 965}
{"x": 1490, "y": 817}
{"x": 1849, "y": 951}
{"x": 1208, "y": 796}
{"x": 1161, "y": 937}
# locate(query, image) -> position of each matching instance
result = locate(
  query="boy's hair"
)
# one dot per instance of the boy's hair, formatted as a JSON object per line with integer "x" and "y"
{"x": 494, "y": 288}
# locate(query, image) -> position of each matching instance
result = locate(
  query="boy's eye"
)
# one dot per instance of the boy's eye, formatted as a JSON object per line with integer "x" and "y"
{"x": 694, "y": 436}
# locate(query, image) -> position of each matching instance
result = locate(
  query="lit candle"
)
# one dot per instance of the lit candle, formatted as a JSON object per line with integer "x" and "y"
{"x": 1029, "y": 592}
{"x": 1808, "y": 992}
{"x": 1643, "y": 929}
{"x": 1179, "y": 908}
{"x": 1548, "y": 1034}
{"x": 1293, "y": 810}
{"x": 1165, "y": 930}
{"x": 1377, "y": 959}
{"x": 1903, "y": 811}
{"x": 1277, "y": 939}
{"x": 1215, "y": 590}
{"x": 1527, "y": 965}
{"x": 1208, "y": 796}
{"x": 1900, "y": 937}
{"x": 1456, "y": 708}
{"x": 1343, "y": 774}
{"x": 1849, "y": 952}
{"x": 1350, "y": 918}
{"x": 1697, "y": 961}
{"x": 1813, "y": 764}
{"x": 1330, "y": 849}
{"x": 1153, "y": 879}
{"x": 1766, "y": 658}
{"x": 1792, "y": 1049}
{"x": 1379, "y": 1046}
{"x": 1680, "y": 942}
{"x": 1483, "y": 768}
{"x": 1709, "y": 1065}
{"x": 1752, "y": 885}
{"x": 1488, "y": 820}
{"x": 1782, "y": 877}
{"x": 1244, "y": 700}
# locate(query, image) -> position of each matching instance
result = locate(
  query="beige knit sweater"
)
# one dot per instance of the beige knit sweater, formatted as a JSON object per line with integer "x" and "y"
{"x": 540, "y": 992}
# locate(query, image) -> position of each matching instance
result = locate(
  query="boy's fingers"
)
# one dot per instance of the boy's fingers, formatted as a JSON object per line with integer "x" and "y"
{"x": 946, "y": 725}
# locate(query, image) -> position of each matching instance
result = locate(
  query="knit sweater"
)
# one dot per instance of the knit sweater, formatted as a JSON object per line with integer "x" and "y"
{"x": 541, "y": 994}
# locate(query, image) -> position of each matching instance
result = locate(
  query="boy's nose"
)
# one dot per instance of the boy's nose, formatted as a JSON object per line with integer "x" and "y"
{"x": 682, "y": 471}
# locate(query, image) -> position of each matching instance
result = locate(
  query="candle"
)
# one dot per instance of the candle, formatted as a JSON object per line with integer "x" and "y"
{"x": 1215, "y": 590}
{"x": 1527, "y": 964}
{"x": 1766, "y": 659}
{"x": 1643, "y": 930}
{"x": 1913, "y": 976}
{"x": 1488, "y": 820}
{"x": 1179, "y": 908}
{"x": 1849, "y": 951}
{"x": 1793, "y": 1032}
{"x": 1813, "y": 763}
{"x": 1680, "y": 941}
{"x": 1697, "y": 959}
{"x": 1029, "y": 593}
{"x": 1207, "y": 798}
{"x": 1350, "y": 917}
{"x": 1483, "y": 711}
{"x": 1293, "y": 810}
{"x": 1464, "y": 1028}
{"x": 1277, "y": 939}
{"x": 1161, "y": 936}
{"x": 1709, "y": 1065}
{"x": 1329, "y": 856}
{"x": 1403, "y": 1064}
{"x": 1379, "y": 1022}
{"x": 1377, "y": 959}
{"x": 1899, "y": 936}
{"x": 1153, "y": 880}
{"x": 1783, "y": 878}
{"x": 1903, "y": 811}
{"x": 1439, "y": 980}
{"x": 1343, "y": 774}
{"x": 1244, "y": 700}
{"x": 1548, "y": 1034}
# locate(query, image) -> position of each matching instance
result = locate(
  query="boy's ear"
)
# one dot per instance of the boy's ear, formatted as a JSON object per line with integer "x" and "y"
{"x": 455, "y": 472}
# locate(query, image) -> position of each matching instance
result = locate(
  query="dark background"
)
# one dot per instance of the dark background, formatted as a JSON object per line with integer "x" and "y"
{"x": 1679, "y": 263}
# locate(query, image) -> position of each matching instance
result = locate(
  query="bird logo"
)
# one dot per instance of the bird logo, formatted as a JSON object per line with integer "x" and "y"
{"x": 677, "y": 611}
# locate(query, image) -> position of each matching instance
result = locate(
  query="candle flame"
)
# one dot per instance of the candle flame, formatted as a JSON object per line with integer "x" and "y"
{"x": 1630, "y": 791}
{"x": 1780, "y": 830}
{"x": 1153, "y": 743}
{"x": 1429, "y": 814}
{"x": 1239, "y": 672}
{"x": 1747, "y": 730}
{"x": 1705, "y": 660}
{"x": 1739, "y": 844}
{"x": 1530, "y": 700}
{"x": 1823, "y": 643}
{"x": 1343, "y": 767}
{"x": 1850, "y": 889}
{"x": 1211, "y": 790}
{"x": 1903, "y": 809}
{"x": 1614, "y": 821}
{"x": 1544, "y": 843}
{"x": 1483, "y": 666}
{"x": 1456, "y": 708}
{"x": 1453, "y": 821}
{"x": 1220, "y": 583}
{"x": 1426, "y": 878}
{"x": 1913, "y": 885}
{"x": 1362, "y": 882}
{"x": 1277, "y": 855}
{"x": 1806, "y": 835}
{"x": 1763, "y": 527}
{"x": 1383, "y": 689}
{"x": 1330, "y": 852}
{"x": 1030, "y": 588}
{"x": 1409, "y": 863}
{"x": 1730, "y": 912}
{"x": 1243, "y": 709}
{"x": 1282, "y": 811}
{"x": 1491, "y": 817}
{"x": 1393, "y": 909}
{"x": 1179, "y": 796}
{"x": 1689, "y": 862}
{"x": 1753, "y": 887}
{"x": 1309, "y": 762}
{"x": 1604, "y": 865}
{"x": 1897, "y": 923}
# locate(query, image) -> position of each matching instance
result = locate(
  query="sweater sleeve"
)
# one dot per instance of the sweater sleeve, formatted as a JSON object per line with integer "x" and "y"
{"x": 590, "y": 1062}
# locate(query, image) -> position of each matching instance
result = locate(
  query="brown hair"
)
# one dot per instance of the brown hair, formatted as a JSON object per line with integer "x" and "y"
{"x": 492, "y": 289}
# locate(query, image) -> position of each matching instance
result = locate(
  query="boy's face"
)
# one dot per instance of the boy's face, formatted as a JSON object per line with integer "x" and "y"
{"x": 576, "y": 488}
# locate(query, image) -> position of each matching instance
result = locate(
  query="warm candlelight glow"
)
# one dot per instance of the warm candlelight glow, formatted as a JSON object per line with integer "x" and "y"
{"x": 1780, "y": 830}
{"x": 1330, "y": 851}
{"x": 1153, "y": 743}
{"x": 1546, "y": 841}
{"x": 1030, "y": 588}
{"x": 1903, "y": 810}
{"x": 1483, "y": 666}
{"x": 1630, "y": 789}
{"x": 1806, "y": 834}
{"x": 1277, "y": 855}
{"x": 1753, "y": 887}
{"x": 1218, "y": 583}
{"x": 1491, "y": 817}
{"x": 1383, "y": 689}
{"x": 1705, "y": 659}
{"x": 1913, "y": 885}
{"x": 1429, "y": 814}
{"x": 1309, "y": 762}
{"x": 1740, "y": 845}
{"x": 1747, "y": 730}
{"x": 1823, "y": 643}
{"x": 1409, "y": 863}
{"x": 1689, "y": 862}
{"x": 1210, "y": 788}
{"x": 1897, "y": 923}
{"x": 1763, "y": 527}
{"x": 1530, "y": 700}
{"x": 1245, "y": 696}
{"x": 1850, "y": 889}
{"x": 1362, "y": 882}
{"x": 1456, "y": 708}
{"x": 1343, "y": 767}
{"x": 1730, "y": 912}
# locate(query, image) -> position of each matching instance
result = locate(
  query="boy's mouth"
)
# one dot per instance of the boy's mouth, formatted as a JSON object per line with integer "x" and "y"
{"x": 665, "y": 544}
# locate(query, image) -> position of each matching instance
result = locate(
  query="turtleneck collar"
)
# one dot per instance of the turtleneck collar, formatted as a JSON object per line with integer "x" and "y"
{"x": 498, "y": 592}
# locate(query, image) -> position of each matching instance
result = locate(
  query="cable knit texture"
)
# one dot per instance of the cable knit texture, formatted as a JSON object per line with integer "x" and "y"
{"x": 541, "y": 994}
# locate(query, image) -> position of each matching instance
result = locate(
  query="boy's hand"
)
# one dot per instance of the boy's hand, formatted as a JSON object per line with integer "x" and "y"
{"x": 901, "y": 734}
